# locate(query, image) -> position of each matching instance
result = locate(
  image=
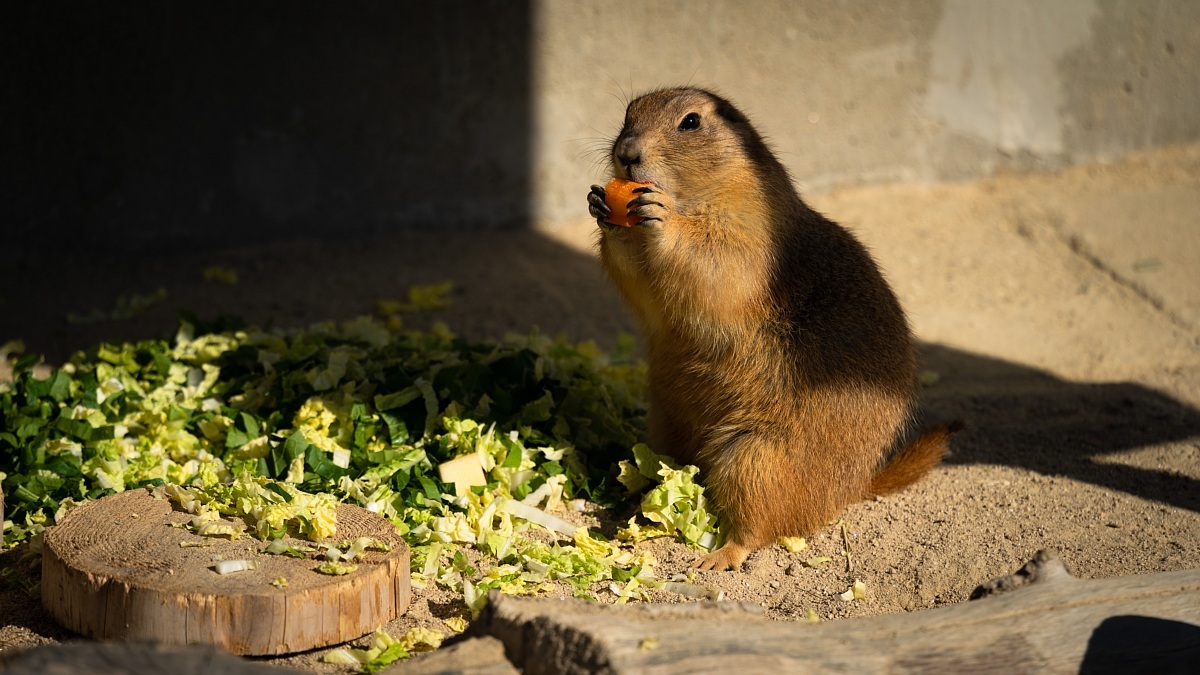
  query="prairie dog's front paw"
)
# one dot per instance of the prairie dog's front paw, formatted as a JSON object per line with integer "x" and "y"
{"x": 652, "y": 205}
{"x": 598, "y": 207}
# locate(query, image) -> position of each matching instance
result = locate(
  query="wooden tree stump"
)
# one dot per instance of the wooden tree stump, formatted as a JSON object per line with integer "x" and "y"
{"x": 114, "y": 569}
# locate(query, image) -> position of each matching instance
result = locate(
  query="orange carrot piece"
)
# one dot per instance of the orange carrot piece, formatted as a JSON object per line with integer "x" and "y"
{"x": 617, "y": 194}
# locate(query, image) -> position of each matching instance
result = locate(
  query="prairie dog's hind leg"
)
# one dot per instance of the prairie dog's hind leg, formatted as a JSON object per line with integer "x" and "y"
{"x": 728, "y": 557}
{"x": 751, "y": 486}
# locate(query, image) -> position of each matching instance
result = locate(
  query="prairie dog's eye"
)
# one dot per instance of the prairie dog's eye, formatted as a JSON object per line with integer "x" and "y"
{"x": 691, "y": 122}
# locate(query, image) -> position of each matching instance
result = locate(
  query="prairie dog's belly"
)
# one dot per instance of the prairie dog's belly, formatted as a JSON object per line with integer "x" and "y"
{"x": 696, "y": 397}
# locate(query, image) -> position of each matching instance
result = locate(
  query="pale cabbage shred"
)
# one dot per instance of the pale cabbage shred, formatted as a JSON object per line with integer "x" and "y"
{"x": 148, "y": 445}
{"x": 268, "y": 512}
{"x": 385, "y": 649}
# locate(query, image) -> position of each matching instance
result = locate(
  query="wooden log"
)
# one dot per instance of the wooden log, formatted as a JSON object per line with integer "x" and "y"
{"x": 475, "y": 656}
{"x": 115, "y": 570}
{"x": 1051, "y": 622}
{"x": 131, "y": 658}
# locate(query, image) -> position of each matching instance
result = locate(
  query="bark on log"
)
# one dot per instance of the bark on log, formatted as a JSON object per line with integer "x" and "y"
{"x": 1051, "y": 622}
{"x": 115, "y": 570}
{"x": 476, "y": 656}
{"x": 134, "y": 658}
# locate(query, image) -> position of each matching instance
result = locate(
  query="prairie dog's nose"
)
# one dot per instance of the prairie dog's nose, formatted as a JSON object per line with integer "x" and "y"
{"x": 628, "y": 151}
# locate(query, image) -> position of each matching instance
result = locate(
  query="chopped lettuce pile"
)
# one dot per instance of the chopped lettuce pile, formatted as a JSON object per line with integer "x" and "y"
{"x": 676, "y": 504}
{"x": 385, "y": 649}
{"x": 271, "y": 508}
{"x": 466, "y": 446}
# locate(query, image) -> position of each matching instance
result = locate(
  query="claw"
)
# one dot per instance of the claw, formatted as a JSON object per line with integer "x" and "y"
{"x": 638, "y": 205}
{"x": 597, "y": 207}
{"x": 644, "y": 208}
{"x": 643, "y": 199}
{"x": 602, "y": 220}
{"x": 597, "y": 201}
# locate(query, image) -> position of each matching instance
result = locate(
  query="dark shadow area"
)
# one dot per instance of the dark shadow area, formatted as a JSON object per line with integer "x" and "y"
{"x": 1023, "y": 417}
{"x": 140, "y": 128}
{"x": 20, "y": 599}
{"x": 503, "y": 281}
{"x": 1142, "y": 644}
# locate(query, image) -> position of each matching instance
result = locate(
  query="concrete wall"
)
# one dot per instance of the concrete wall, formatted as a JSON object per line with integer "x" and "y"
{"x": 165, "y": 125}
{"x": 159, "y": 125}
{"x": 864, "y": 91}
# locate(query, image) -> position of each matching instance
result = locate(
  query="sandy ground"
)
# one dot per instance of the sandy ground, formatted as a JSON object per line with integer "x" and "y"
{"x": 1058, "y": 313}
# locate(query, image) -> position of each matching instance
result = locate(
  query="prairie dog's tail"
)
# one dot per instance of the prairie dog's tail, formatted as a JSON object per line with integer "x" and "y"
{"x": 914, "y": 460}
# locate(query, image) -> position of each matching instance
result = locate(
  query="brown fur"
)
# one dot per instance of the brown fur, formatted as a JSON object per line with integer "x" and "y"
{"x": 780, "y": 361}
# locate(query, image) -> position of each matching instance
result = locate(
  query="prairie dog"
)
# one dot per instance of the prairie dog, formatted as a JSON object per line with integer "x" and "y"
{"x": 780, "y": 361}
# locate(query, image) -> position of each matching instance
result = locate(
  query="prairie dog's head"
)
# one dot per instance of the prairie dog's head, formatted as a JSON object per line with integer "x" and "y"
{"x": 692, "y": 144}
